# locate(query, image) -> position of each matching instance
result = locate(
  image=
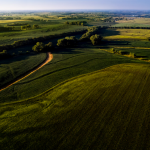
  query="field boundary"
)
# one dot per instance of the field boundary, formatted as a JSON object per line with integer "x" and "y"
{"x": 147, "y": 60}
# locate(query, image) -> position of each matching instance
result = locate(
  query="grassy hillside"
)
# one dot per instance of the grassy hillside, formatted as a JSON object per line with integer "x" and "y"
{"x": 66, "y": 63}
{"x": 107, "y": 109}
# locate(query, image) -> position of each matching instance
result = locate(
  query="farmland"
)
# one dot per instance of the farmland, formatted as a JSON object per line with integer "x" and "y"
{"x": 65, "y": 64}
{"x": 88, "y": 96}
{"x": 97, "y": 111}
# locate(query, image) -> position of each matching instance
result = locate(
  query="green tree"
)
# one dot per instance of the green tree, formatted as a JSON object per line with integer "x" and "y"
{"x": 35, "y": 26}
{"x": 96, "y": 39}
{"x": 67, "y": 42}
{"x": 61, "y": 42}
{"x": 39, "y": 47}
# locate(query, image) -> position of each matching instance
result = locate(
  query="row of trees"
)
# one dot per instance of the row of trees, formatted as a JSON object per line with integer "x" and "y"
{"x": 65, "y": 42}
{"x": 41, "y": 47}
{"x": 90, "y": 31}
{"x": 96, "y": 39}
{"x": 11, "y": 27}
{"x": 83, "y": 23}
{"x": 26, "y": 27}
{"x": 37, "y": 39}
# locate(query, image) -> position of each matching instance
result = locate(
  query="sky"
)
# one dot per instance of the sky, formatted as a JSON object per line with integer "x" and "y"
{"x": 74, "y": 4}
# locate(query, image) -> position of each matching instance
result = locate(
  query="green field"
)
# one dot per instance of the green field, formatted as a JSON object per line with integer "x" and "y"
{"x": 66, "y": 63}
{"x": 47, "y": 26}
{"x": 107, "y": 109}
{"x": 10, "y": 37}
{"x": 87, "y": 97}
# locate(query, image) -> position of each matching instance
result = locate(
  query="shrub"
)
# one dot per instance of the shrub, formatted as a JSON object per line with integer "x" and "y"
{"x": 90, "y": 31}
{"x": 67, "y": 42}
{"x": 4, "y": 51}
{"x": 35, "y": 26}
{"x": 96, "y": 39}
{"x": 113, "y": 50}
{"x": 62, "y": 42}
{"x": 132, "y": 55}
{"x": 39, "y": 47}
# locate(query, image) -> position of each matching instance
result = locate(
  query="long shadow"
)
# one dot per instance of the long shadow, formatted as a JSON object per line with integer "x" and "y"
{"x": 113, "y": 43}
{"x": 17, "y": 58}
{"x": 108, "y": 32}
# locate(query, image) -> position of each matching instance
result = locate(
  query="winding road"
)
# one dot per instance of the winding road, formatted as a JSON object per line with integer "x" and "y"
{"x": 48, "y": 59}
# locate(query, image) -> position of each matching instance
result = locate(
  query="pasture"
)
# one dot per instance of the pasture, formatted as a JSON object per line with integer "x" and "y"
{"x": 106, "y": 109}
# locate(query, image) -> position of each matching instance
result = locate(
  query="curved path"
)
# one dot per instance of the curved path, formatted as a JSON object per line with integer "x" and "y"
{"x": 48, "y": 59}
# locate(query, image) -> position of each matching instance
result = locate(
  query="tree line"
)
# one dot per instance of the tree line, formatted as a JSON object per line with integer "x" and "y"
{"x": 37, "y": 39}
{"x": 70, "y": 41}
{"x": 76, "y": 23}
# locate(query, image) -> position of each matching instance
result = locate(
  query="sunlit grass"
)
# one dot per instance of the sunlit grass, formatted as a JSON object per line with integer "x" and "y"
{"x": 139, "y": 34}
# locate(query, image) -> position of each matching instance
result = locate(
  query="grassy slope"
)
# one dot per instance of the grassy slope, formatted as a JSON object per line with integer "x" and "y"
{"x": 139, "y": 34}
{"x": 136, "y": 22}
{"x": 14, "y": 67}
{"x": 65, "y": 64}
{"x": 107, "y": 109}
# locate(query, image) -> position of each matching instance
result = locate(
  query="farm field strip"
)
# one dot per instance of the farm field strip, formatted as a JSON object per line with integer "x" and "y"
{"x": 128, "y": 47}
{"x": 133, "y": 47}
{"x": 49, "y": 58}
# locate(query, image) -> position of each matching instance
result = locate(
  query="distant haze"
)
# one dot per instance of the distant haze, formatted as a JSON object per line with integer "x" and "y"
{"x": 77, "y": 4}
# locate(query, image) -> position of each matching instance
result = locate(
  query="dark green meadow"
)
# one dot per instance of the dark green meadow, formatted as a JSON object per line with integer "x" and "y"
{"x": 66, "y": 63}
{"x": 12, "y": 68}
{"x": 106, "y": 109}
